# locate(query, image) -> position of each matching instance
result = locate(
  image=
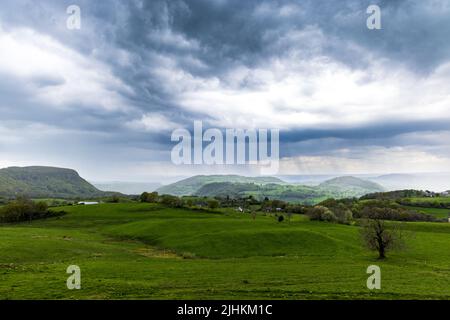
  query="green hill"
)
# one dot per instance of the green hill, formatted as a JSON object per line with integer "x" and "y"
{"x": 349, "y": 186}
{"x": 349, "y": 181}
{"x": 191, "y": 185}
{"x": 45, "y": 182}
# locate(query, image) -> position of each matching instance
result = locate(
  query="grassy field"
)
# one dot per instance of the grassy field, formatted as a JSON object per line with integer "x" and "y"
{"x": 437, "y": 212}
{"x": 444, "y": 200}
{"x": 431, "y": 206}
{"x": 144, "y": 251}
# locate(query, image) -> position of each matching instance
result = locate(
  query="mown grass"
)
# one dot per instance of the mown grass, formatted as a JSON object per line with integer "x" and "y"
{"x": 429, "y": 200}
{"x": 437, "y": 212}
{"x": 146, "y": 251}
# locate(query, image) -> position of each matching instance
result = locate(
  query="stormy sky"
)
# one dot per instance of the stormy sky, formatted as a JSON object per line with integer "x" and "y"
{"x": 104, "y": 99}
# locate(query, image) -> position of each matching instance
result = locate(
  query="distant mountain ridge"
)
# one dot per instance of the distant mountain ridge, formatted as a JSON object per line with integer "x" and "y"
{"x": 191, "y": 185}
{"x": 274, "y": 188}
{"x": 349, "y": 181}
{"x": 45, "y": 182}
{"x": 51, "y": 182}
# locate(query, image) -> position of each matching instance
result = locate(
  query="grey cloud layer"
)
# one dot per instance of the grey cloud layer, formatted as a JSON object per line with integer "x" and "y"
{"x": 161, "y": 57}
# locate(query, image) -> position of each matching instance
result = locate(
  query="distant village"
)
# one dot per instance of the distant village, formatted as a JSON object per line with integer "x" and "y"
{"x": 432, "y": 194}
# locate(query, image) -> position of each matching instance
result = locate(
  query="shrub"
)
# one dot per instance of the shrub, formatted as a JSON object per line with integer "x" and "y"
{"x": 143, "y": 197}
{"x": 189, "y": 202}
{"x": 114, "y": 199}
{"x": 328, "y": 215}
{"x": 213, "y": 204}
{"x": 24, "y": 209}
{"x": 152, "y": 197}
{"x": 320, "y": 213}
{"x": 171, "y": 201}
{"x": 342, "y": 213}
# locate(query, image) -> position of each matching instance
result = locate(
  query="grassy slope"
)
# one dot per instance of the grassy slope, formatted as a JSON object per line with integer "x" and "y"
{"x": 136, "y": 251}
{"x": 437, "y": 212}
{"x": 442, "y": 213}
{"x": 445, "y": 200}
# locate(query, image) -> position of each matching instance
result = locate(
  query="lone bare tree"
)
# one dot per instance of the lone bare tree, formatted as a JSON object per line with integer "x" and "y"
{"x": 377, "y": 236}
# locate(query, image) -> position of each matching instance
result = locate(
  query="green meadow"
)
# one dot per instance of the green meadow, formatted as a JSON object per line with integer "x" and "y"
{"x": 437, "y": 212}
{"x": 146, "y": 251}
{"x": 430, "y": 201}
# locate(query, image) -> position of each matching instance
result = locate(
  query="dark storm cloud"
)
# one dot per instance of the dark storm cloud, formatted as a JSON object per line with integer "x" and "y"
{"x": 244, "y": 31}
{"x": 206, "y": 39}
{"x": 231, "y": 32}
{"x": 373, "y": 131}
{"x": 320, "y": 141}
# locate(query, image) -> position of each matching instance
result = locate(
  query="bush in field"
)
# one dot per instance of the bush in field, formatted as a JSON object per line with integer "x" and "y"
{"x": 213, "y": 204}
{"x": 114, "y": 199}
{"x": 171, "y": 201}
{"x": 280, "y": 218}
{"x": 189, "y": 202}
{"x": 342, "y": 213}
{"x": 152, "y": 197}
{"x": 342, "y": 209}
{"x": 328, "y": 215}
{"x": 347, "y": 216}
{"x": 24, "y": 209}
{"x": 321, "y": 213}
{"x": 143, "y": 197}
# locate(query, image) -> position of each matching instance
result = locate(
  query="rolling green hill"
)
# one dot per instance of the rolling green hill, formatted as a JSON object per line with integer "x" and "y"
{"x": 348, "y": 186}
{"x": 191, "y": 185}
{"x": 45, "y": 182}
{"x": 351, "y": 182}
{"x": 147, "y": 251}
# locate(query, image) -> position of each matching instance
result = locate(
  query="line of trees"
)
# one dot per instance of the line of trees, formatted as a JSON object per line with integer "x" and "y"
{"x": 177, "y": 202}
